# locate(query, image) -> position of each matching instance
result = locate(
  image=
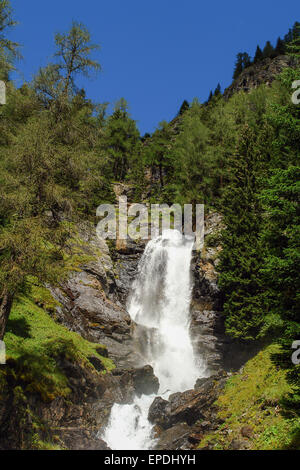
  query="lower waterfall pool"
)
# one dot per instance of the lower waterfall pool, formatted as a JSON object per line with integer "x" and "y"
{"x": 160, "y": 305}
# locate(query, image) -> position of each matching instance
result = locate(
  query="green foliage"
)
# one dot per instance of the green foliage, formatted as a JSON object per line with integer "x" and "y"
{"x": 50, "y": 165}
{"x": 121, "y": 142}
{"x": 8, "y": 49}
{"x": 293, "y": 40}
{"x": 190, "y": 168}
{"x": 73, "y": 53}
{"x": 281, "y": 231}
{"x": 157, "y": 156}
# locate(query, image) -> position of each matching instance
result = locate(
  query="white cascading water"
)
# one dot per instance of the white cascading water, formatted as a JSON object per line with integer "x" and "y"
{"x": 160, "y": 305}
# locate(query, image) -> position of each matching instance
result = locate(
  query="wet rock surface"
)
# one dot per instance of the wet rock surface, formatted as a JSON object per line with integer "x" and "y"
{"x": 174, "y": 438}
{"x": 141, "y": 381}
{"x": 181, "y": 420}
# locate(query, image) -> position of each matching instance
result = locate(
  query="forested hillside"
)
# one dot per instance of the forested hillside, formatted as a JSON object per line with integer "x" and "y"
{"x": 61, "y": 154}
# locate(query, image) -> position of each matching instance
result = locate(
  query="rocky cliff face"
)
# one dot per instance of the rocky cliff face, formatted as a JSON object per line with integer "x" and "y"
{"x": 207, "y": 328}
{"x": 262, "y": 72}
{"x": 92, "y": 302}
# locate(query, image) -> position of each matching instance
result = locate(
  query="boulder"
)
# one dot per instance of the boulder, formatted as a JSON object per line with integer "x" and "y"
{"x": 145, "y": 382}
{"x": 157, "y": 411}
{"x": 189, "y": 406}
{"x": 175, "y": 438}
{"x": 141, "y": 381}
{"x": 81, "y": 439}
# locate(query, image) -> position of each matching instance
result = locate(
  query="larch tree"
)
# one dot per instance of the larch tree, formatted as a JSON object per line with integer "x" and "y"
{"x": 73, "y": 57}
{"x": 9, "y": 50}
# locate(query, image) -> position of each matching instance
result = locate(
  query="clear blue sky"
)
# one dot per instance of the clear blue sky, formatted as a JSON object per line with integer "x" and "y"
{"x": 153, "y": 53}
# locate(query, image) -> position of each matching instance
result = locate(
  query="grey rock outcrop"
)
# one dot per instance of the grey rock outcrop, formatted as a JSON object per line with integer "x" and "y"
{"x": 262, "y": 72}
{"x": 207, "y": 326}
{"x": 92, "y": 300}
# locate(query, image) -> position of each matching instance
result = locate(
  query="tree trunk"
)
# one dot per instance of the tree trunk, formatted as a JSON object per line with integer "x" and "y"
{"x": 6, "y": 301}
{"x": 161, "y": 176}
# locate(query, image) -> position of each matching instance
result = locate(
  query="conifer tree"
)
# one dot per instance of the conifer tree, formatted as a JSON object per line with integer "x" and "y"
{"x": 258, "y": 55}
{"x": 293, "y": 47}
{"x": 243, "y": 61}
{"x": 280, "y": 47}
{"x": 217, "y": 91}
{"x": 158, "y": 157}
{"x": 268, "y": 50}
{"x": 210, "y": 96}
{"x": 288, "y": 37}
{"x": 191, "y": 163}
{"x": 238, "y": 66}
{"x": 184, "y": 107}
{"x": 241, "y": 255}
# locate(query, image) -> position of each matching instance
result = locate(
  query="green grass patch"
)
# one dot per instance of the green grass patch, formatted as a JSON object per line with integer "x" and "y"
{"x": 35, "y": 343}
{"x": 253, "y": 398}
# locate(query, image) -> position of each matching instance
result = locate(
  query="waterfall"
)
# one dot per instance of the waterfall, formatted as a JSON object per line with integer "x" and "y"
{"x": 160, "y": 306}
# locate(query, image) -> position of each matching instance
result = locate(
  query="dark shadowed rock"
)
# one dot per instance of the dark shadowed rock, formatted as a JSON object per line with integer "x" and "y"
{"x": 70, "y": 423}
{"x": 97, "y": 363}
{"x": 201, "y": 382}
{"x": 175, "y": 438}
{"x": 141, "y": 381}
{"x": 81, "y": 439}
{"x": 191, "y": 407}
{"x": 102, "y": 351}
{"x": 157, "y": 411}
{"x": 145, "y": 382}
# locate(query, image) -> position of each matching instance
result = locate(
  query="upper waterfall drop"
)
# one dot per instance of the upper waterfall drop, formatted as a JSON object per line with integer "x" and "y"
{"x": 160, "y": 307}
{"x": 160, "y": 304}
